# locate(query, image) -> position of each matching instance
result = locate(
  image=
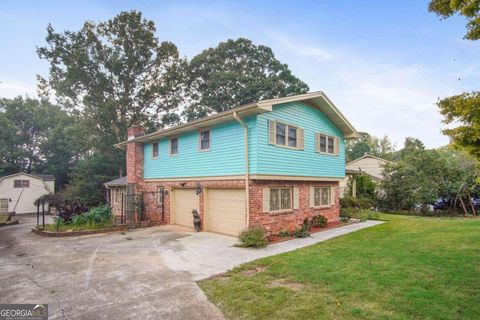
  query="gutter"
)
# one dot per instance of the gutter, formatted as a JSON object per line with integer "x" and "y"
{"x": 247, "y": 169}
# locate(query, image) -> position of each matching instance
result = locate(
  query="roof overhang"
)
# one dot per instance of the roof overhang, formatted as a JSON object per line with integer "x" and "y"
{"x": 315, "y": 99}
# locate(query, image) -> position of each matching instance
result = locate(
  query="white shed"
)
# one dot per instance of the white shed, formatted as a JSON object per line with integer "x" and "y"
{"x": 19, "y": 191}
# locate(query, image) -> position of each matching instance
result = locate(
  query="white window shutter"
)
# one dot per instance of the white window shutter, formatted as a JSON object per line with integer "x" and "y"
{"x": 337, "y": 146}
{"x": 271, "y": 131}
{"x": 317, "y": 142}
{"x": 266, "y": 199}
{"x": 301, "y": 138}
{"x": 296, "y": 198}
{"x": 312, "y": 197}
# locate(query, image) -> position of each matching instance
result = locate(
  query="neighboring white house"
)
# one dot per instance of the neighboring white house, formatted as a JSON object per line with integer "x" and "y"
{"x": 19, "y": 191}
{"x": 368, "y": 164}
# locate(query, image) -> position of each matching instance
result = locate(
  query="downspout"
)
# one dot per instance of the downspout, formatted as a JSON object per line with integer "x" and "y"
{"x": 247, "y": 170}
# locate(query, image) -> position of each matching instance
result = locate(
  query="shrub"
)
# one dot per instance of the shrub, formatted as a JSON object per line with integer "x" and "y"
{"x": 98, "y": 215}
{"x": 319, "y": 221}
{"x": 68, "y": 210}
{"x": 358, "y": 203}
{"x": 285, "y": 234}
{"x": 303, "y": 231}
{"x": 255, "y": 237}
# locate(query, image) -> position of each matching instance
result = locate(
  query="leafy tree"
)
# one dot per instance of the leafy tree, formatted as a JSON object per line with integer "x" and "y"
{"x": 36, "y": 136}
{"x": 234, "y": 73}
{"x": 462, "y": 109}
{"x": 114, "y": 74}
{"x": 365, "y": 186}
{"x": 422, "y": 176}
{"x": 470, "y": 9}
{"x": 368, "y": 144}
{"x": 465, "y": 110}
{"x": 411, "y": 146}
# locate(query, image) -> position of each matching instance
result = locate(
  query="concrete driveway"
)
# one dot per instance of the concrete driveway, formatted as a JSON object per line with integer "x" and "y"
{"x": 141, "y": 274}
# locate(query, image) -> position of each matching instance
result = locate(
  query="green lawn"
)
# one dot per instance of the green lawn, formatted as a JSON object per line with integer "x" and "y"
{"x": 408, "y": 268}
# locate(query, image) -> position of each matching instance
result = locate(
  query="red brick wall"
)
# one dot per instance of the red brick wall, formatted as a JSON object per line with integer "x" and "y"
{"x": 153, "y": 211}
{"x": 276, "y": 222}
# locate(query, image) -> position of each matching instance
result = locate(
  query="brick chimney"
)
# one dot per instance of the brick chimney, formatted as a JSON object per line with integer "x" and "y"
{"x": 134, "y": 159}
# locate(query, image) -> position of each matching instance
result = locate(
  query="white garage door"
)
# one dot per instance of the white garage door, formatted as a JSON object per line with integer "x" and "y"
{"x": 225, "y": 210}
{"x": 183, "y": 202}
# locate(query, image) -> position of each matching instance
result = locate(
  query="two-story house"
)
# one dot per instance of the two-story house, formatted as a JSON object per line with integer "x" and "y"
{"x": 272, "y": 163}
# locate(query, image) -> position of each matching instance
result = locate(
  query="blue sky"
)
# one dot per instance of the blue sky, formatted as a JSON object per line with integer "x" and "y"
{"x": 383, "y": 63}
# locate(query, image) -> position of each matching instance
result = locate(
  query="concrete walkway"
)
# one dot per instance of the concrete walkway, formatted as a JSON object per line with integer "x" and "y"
{"x": 206, "y": 254}
{"x": 141, "y": 274}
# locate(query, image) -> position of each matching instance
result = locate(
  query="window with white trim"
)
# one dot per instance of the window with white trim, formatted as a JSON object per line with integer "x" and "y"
{"x": 285, "y": 135}
{"x": 205, "y": 140}
{"x": 173, "y": 146}
{"x": 155, "y": 150}
{"x": 326, "y": 144}
{"x": 281, "y": 199}
{"x": 322, "y": 196}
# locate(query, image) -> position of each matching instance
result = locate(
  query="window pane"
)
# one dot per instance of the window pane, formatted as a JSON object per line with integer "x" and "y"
{"x": 323, "y": 144}
{"x": 316, "y": 199}
{"x": 325, "y": 197}
{"x": 280, "y": 134}
{"x": 292, "y": 137}
{"x": 17, "y": 183}
{"x": 174, "y": 146}
{"x": 330, "y": 145}
{"x": 286, "y": 199}
{"x": 205, "y": 140}
{"x": 155, "y": 150}
{"x": 274, "y": 199}
{"x": 26, "y": 183}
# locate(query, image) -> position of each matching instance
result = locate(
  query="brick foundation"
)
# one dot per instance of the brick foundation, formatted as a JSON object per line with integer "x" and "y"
{"x": 272, "y": 222}
{"x": 289, "y": 220}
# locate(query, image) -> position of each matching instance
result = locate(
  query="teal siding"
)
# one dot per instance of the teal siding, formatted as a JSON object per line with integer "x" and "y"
{"x": 225, "y": 157}
{"x": 282, "y": 161}
{"x": 227, "y": 149}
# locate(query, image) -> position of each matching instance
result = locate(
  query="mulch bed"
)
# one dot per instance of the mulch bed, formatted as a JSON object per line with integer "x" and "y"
{"x": 72, "y": 233}
{"x": 331, "y": 225}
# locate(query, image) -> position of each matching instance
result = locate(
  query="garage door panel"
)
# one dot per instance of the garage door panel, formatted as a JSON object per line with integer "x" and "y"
{"x": 225, "y": 210}
{"x": 184, "y": 201}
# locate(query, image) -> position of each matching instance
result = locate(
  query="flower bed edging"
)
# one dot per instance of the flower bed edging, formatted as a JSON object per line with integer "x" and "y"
{"x": 45, "y": 233}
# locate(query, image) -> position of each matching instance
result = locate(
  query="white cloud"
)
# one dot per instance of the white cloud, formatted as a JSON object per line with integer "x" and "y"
{"x": 12, "y": 88}
{"x": 377, "y": 95}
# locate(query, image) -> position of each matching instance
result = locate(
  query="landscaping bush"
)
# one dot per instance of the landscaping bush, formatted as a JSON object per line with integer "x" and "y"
{"x": 319, "y": 221}
{"x": 358, "y": 203}
{"x": 68, "y": 210}
{"x": 285, "y": 234}
{"x": 303, "y": 231}
{"x": 98, "y": 215}
{"x": 255, "y": 237}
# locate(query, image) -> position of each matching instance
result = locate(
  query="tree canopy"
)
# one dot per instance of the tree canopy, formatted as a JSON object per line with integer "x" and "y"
{"x": 234, "y": 73}
{"x": 462, "y": 109}
{"x": 470, "y": 9}
{"x": 368, "y": 144}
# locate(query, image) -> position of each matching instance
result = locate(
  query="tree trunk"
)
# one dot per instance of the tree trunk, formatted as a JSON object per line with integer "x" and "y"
{"x": 474, "y": 212}
{"x": 463, "y": 206}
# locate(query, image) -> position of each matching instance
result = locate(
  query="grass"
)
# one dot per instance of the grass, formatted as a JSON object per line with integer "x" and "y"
{"x": 408, "y": 268}
{"x": 70, "y": 227}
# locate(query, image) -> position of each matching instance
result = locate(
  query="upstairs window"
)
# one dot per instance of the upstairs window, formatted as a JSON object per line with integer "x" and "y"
{"x": 21, "y": 183}
{"x": 173, "y": 146}
{"x": 284, "y": 135}
{"x": 155, "y": 150}
{"x": 326, "y": 144}
{"x": 205, "y": 140}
